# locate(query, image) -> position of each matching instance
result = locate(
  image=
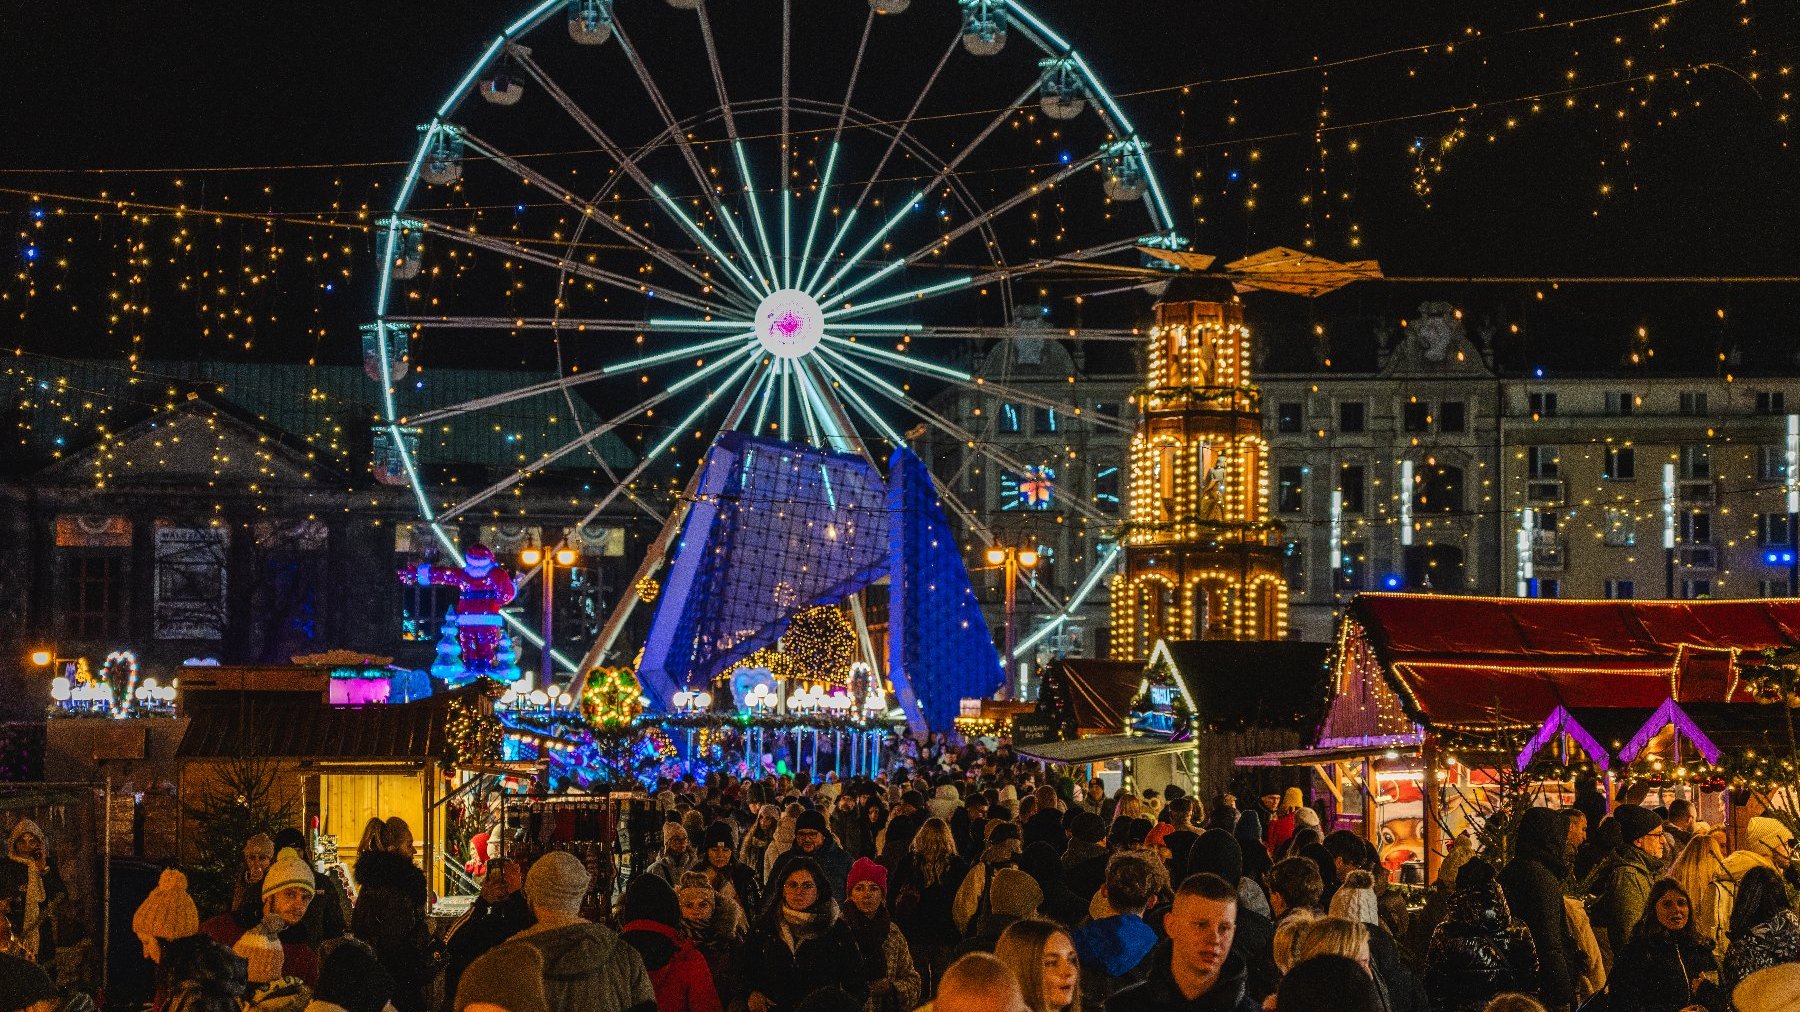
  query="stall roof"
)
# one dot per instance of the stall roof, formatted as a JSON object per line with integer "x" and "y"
{"x": 1101, "y": 747}
{"x": 1473, "y": 662}
{"x": 1245, "y": 683}
{"x": 1100, "y": 692}
{"x": 284, "y": 728}
{"x": 1320, "y": 756}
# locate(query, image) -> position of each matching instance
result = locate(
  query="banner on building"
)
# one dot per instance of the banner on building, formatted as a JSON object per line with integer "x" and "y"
{"x": 190, "y": 583}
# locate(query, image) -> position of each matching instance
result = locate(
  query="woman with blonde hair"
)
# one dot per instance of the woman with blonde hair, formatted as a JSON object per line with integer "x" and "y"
{"x": 922, "y": 894}
{"x": 1042, "y": 956}
{"x": 1128, "y": 806}
{"x": 1700, "y": 869}
{"x": 1334, "y": 936}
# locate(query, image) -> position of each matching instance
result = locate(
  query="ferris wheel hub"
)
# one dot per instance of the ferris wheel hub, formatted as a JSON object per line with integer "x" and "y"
{"x": 789, "y": 323}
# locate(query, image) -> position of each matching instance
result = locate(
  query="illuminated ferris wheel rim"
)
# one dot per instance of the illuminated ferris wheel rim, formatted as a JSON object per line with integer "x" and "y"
{"x": 794, "y": 331}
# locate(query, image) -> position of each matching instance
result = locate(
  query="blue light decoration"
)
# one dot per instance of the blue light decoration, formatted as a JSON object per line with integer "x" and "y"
{"x": 939, "y": 648}
{"x": 447, "y": 666}
{"x": 1392, "y": 581}
{"x": 1779, "y": 558}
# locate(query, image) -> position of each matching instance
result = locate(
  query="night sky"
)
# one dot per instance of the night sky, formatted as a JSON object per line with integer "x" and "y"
{"x": 1488, "y": 139}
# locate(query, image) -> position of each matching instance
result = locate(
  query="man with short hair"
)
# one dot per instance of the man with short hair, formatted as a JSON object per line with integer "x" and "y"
{"x": 1348, "y": 854}
{"x": 1194, "y": 971}
{"x": 1679, "y": 826}
{"x": 1578, "y": 832}
{"x": 1294, "y": 884}
{"x": 1623, "y": 879}
{"x": 1115, "y": 950}
{"x": 978, "y": 982}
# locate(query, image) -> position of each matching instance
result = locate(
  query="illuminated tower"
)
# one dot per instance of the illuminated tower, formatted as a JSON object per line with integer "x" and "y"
{"x": 1201, "y": 560}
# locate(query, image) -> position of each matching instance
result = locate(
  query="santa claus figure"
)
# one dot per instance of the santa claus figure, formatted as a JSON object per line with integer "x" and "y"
{"x": 483, "y": 588}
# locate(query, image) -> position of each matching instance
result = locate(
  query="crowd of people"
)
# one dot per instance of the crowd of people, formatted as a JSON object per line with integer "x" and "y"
{"x": 993, "y": 887}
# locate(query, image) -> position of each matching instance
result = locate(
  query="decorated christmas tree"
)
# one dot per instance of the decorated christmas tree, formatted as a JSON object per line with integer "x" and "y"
{"x": 448, "y": 665}
{"x": 1054, "y": 703}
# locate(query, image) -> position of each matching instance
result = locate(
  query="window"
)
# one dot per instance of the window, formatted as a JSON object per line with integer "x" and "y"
{"x": 1772, "y": 530}
{"x": 1543, "y": 404}
{"x": 1439, "y": 489}
{"x": 1621, "y": 528}
{"x": 1621, "y": 463}
{"x": 1696, "y": 527}
{"x": 1771, "y": 463}
{"x": 1416, "y": 416}
{"x": 1293, "y": 565}
{"x": 1772, "y": 588}
{"x": 1621, "y": 590}
{"x": 1695, "y": 589}
{"x": 1107, "y": 409}
{"x": 1696, "y": 462}
{"x": 1106, "y": 488}
{"x": 1045, "y": 421}
{"x": 1351, "y": 483}
{"x": 1620, "y": 402}
{"x": 1453, "y": 416}
{"x": 1541, "y": 461}
{"x": 1350, "y": 416}
{"x": 1350, "y": 572}
{"x": 1551, "y": 588}
{"x": 1771, "y": 402}
{"x": 95, "y": 597}
{"x": 1010, "y": 420}
{"x": 1693, "y": 402}
{"x": 1290, "y": 416}
{"x": 1290, "y": 489}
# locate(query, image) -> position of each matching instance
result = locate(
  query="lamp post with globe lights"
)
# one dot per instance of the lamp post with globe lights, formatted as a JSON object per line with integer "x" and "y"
{"x": 533, "y": 556}
{"x": 1011, "y": 560}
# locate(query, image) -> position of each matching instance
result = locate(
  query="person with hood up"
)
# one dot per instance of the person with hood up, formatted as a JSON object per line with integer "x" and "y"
{"x": 351, "y": 979}
{"x": 1114, "y": 951}
{"x": 1039, "y": 860}
{"x": 1012, "y": 896}
{"x": 246, "y": 886}
{"x": 678, "y": 855}
{"x": 32, "y": 888}
{"x": 1764, "y": 930}
{"x": 757, "y": 838}
{"x": 1622, "y": 880}
{"x": 1217, "y": 852}
{"x": 1479, "y": 950}
{"x": 587, "y": 967}
{"x": 716, "y": 927}
{"x": 1003, "y": 849}
{"x": 1194, "y": 970}
{"x": 923, "y": 893}
{"x": 813, "y": 841}
{"x": 1084, "y": 860}
{"x": 799, "y": 945}
{"x": 1667, "y": 966}
{"x": 1532, "y": 884}
{"x": 894, "y": 983}
{"x": 782, "y": 840}
{"x": 650, "y": 922}
{"x": 1767, "y": 843}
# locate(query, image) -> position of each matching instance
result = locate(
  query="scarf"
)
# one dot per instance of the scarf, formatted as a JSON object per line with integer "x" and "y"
{"x": 801, "y": 926}
{"x": 871, "y": 935}
{"x": 30, "y": 917}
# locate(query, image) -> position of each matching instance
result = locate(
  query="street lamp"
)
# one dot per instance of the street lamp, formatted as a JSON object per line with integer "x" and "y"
{"x": 1011, "y": 560}
{"x": 532, "y": 556}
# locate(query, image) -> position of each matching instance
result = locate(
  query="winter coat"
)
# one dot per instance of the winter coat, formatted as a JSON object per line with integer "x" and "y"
{"x": 786, "y": 976}
{"x": 1656, "y": 971}
{"x": 1159, "y": 992}
{"x": 670, "y": 867}
{"x": 1396, "y": 983}
{"x": 745, "y": 888}
{"x": 853, "y": 833}
{"x": 589, "y": 968}
{"x": 390, "y": 916}
{"x": 1478, "y": 951}
{"x": 833, "y": 860}
{"x": 678, "y": 971}
{"x": 926, "y": 920}
{"x": 1084, "y": 868}
{"x": 485, "y": 926}
{"x": 1532, "y": 883}
{"x": 1115, "y": 954}
{"x": 1622, "y": 884}
{"x": 899, "y": 971}
{"x": 1771, "y": 943}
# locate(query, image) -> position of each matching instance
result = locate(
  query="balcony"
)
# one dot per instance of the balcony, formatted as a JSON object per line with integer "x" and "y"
{"x": 1544, "y": 490}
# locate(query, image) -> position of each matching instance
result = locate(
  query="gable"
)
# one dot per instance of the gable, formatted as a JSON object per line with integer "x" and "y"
{"x": 193, "y": 443}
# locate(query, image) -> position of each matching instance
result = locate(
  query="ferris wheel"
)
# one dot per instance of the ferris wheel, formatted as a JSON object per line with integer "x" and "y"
{"x": 764, "y": 215}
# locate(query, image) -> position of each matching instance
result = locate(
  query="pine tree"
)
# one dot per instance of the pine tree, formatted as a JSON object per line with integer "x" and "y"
{"x": 448, "y": 664}
{"x": 1054, "y": 702}
{"x": 506, "y": 662}
{"x": 241, "y": 803}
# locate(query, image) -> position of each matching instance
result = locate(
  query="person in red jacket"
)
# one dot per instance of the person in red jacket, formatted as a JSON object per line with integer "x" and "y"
{"x": 1282, "y": 825}
{"x": 650, "y": 922}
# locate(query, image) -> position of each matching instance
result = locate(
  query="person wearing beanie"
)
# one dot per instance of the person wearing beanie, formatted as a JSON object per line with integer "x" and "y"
{"x": 813, "y": 840}
{"x": 262, "y": 954}
{"x": 1327, "y": 984}
{"x": 894, "y": 980}
{"x": 500, "y": 912}
{"x": 329, "y": 915}
{"x": 509, "y": 978}
{"x": 246, "y": 888}
{"x": 799, "y": 945}
{"x": 1282, "y": 822}
{"x": 25, "y": 987}
{"x": 1479, "y": 950}
{"x": 1012, "y": 896}
{"x": 282, "y": 948}
{"x": 731, "y": 879}
{"x": 31, "y": 887}
{"x": 1217, "y": 852}
{"x": 678, "y": 855}
{"x": 351, "y": 980}
{"x": 650, "y": 922}
{"x": 1776, "y": 989}
{"x": 587, "y": 967}
{"x": 1622, "y": 880}
{"x": 167, "y": 914}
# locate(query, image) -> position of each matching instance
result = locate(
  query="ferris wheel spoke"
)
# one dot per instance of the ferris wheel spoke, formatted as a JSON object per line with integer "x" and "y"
{"x": 943, "y": 242}
{"x": 574, "y": 323}
{"x": 926, "y": 367}
{"x": 560, "y": 263}
{"x": 687, "y": 153}
{"x": 586, "y": 438}
{"x": 846, "y": 393}
{"x": 967, "y": 282}
{"x": 933, "y": 417}
{"x": 588, "y": 211}
{"x": 907, "y": 209}
{"x": 831, "y": 157}
{"x": 565, "y": 383}
{"x": 881, "y": 166}
{"x": 917, "y": 331}
{"x": 731, "y": 132}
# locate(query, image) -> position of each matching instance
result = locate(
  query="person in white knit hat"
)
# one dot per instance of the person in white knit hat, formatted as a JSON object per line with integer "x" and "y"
{"x": 287, "y": 890}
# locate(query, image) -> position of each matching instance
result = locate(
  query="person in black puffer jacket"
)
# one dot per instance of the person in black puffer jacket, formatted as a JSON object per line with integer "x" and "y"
{"x": 1532, "y": 882}
{"x": 1660, "y": 969}
{"x": 390, "y": 917}
{"x": 1480, "y": 949}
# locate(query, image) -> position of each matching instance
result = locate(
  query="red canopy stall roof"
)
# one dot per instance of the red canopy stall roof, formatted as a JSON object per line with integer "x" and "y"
{"x": 1479, "y": 663}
